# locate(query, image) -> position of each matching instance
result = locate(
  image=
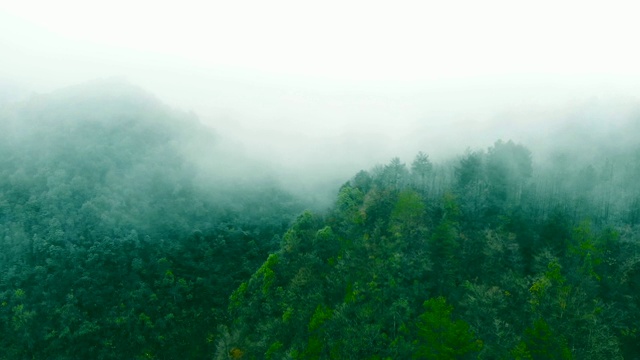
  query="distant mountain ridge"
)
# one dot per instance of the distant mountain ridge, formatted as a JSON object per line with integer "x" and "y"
{"x": 113, "y": 138}
{"x": 117, "y": 209}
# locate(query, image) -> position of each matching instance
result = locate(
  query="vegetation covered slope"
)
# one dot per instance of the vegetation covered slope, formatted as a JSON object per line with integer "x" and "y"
{"x": 128, "y": 231}
{"x": 485, "y": 257}
{"x": 117, "y": 240}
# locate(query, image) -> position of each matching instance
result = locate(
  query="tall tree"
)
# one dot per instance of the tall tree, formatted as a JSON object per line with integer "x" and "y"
{"x": 421, "y": 169}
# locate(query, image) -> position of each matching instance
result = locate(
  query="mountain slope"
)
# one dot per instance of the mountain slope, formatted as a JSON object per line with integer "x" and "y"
{"x": 486, "y": 257}
{"x": 122, "y": 229}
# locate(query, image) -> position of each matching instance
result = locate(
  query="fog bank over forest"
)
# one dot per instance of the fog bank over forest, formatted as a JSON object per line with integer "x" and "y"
{"x": 127, "y": 219}
{"x": 336, "y": 88}
{"x": 330, "y": 180}
{"x": 323, "y": 131}
{"x": 346, "y": 124}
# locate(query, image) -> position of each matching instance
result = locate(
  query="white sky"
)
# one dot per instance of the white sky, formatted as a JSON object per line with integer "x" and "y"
{"x": 345, "y": 39}
{"x": 302, "y": 70}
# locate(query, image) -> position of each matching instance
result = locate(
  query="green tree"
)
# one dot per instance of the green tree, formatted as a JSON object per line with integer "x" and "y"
{"x": 421, "y": 169}
{"x": 393, "y": 175}
{"x": 508, "y": 168}
{"x": 541, "y": 343}
{"x": 443, "y": 247}
{"x": 440, "y": 337}
{"x": 407, "y": 215}
{"x": 470, "y": 184}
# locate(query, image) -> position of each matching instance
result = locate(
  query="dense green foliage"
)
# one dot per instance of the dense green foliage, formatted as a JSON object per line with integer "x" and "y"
{"x": 113, "y": 245}
{"x": 483, "y": 257}
{"x": 120, "y": 243}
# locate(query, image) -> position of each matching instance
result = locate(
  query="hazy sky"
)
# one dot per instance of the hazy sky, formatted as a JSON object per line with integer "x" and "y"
{"x": 301, "y": 79}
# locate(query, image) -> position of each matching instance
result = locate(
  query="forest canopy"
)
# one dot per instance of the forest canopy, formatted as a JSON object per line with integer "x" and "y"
{"x": 130, "y": 230}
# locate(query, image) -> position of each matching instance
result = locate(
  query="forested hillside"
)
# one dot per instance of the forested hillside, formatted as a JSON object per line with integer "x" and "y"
{"x": 122, "y": 231}
{"x": 487, "y": 256}
{"x": 130, "y": 231}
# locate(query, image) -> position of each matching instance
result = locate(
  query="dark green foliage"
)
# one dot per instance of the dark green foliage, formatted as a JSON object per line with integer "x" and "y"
{"x": 119, "y": 243}
{"x": 556, "y": 232}
{"x": 541, "y": 343}
{"x": 525, "y": 278}
{"x": 113, "y": 247}
{"x": 444, "y": 248}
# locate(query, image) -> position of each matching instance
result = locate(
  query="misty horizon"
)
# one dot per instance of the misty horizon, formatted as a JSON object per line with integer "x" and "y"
{"x": 381, "y": 82}
{"x": 331, "y": 180}
{"x": 313, "y": 147}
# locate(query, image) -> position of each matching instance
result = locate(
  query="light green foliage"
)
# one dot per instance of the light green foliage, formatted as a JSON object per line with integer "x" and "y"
{"x": 408, "y": 212}
{"x": 441, "y": 337}
{"x": 145, "y": 320}
{"x": 321, "y": 315}
{"x": 315, "y": 344}
{"x": 235, "y": 300}
{"x": 273, "y": 349}
{"x": 588, "y": 251}
{"x": 326, "y": 243}
{"x": 450, "y": 206}
{"x": 267, "y": 273}
{"x": 21, "y": 317}
{"x": 287, "y": 314}
{"x": 549, "y": 290}
{"x": 299, "y": 238}
{"x": 349, "y": 202}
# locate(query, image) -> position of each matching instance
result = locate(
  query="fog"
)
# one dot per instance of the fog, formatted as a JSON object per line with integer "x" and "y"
{"x": 293, "y": 180}
{"x": 320, "y": 92}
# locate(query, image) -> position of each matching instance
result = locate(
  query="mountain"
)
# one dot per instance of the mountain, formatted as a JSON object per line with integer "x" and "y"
{"x": 131, "y": 231}
{"x": 116, "y": 208}
{"x": 487, "y": 256}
